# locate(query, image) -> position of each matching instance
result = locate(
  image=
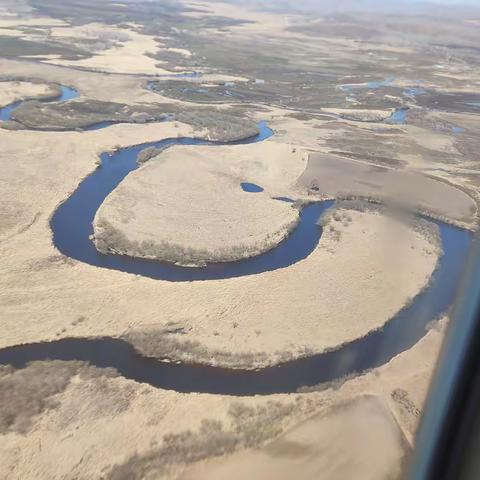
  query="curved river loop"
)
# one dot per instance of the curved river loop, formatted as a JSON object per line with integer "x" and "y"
{"x": 72, "y": 227}
{"x": 66, "y": 93}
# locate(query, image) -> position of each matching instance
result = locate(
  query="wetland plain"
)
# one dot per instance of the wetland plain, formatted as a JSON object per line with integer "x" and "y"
{"x": 230, "y": 234}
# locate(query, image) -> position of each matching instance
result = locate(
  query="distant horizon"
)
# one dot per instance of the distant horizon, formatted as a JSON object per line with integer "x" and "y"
{"x": 332, "y": 6}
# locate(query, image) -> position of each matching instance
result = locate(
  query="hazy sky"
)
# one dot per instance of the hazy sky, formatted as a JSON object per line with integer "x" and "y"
{"x": 454, "y": 2}
{"x": 352, "y": 5}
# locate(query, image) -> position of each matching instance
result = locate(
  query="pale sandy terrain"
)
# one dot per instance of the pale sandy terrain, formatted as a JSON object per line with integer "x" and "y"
{"x": 257, "y": 22}
{"x": 120, "y": 88}
{"x": 18, "y": 208}
{"x": 93, "y": 85}
{"x": 129, "y": 56}
{"x": 399, "y": 388}
{"x": 359, "y": 439}
{"x": 228, "y": 223}
{"x": 339, "y": 176}
{"x": 359, "y": 114}
{"x": 366, "y": 267}
{"x": 11, "y": 91}
{"x": 128, "y": 418}
{"x": 8, "y": 21}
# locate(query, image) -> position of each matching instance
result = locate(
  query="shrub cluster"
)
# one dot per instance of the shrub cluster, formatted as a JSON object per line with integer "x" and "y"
{"x": 109, "y": 239}
{"x": 29, "y": 391}
{"x": 160, "y": 344}
{"x": 220, "y": 126}
{"x": 148, "y": 153}
{"x": 251, "y": 427}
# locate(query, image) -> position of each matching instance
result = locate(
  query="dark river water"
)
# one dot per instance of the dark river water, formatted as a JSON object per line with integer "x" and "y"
{"x": 399, "y": 334}
{"x": 72, "y": 224}
{"x": 66, "y": 93}
{"x": 251, "y": 187}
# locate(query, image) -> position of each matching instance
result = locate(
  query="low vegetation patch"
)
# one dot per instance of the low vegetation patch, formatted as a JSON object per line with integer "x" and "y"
{"x": 27, "y": 392}
{"x": 81, "y": 114}
{"x": 219, "y": 126}
{"x": 401, "y": 397}
{"x": 340, "y": 214}
{"x": 162, "y": 344}
{"x": 14, "y": 47}
{"x": 250, "y": 427}
{"x": 53, "y": 88}
{"x": 109, "y": 239}
{"x": 147, "y": 154}
{"x": 167, "y": 343}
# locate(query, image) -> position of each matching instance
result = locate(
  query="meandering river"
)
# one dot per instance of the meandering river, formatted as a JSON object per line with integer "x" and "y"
{"x": 66, "y": 93}
{"x": 72, "y": 226}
